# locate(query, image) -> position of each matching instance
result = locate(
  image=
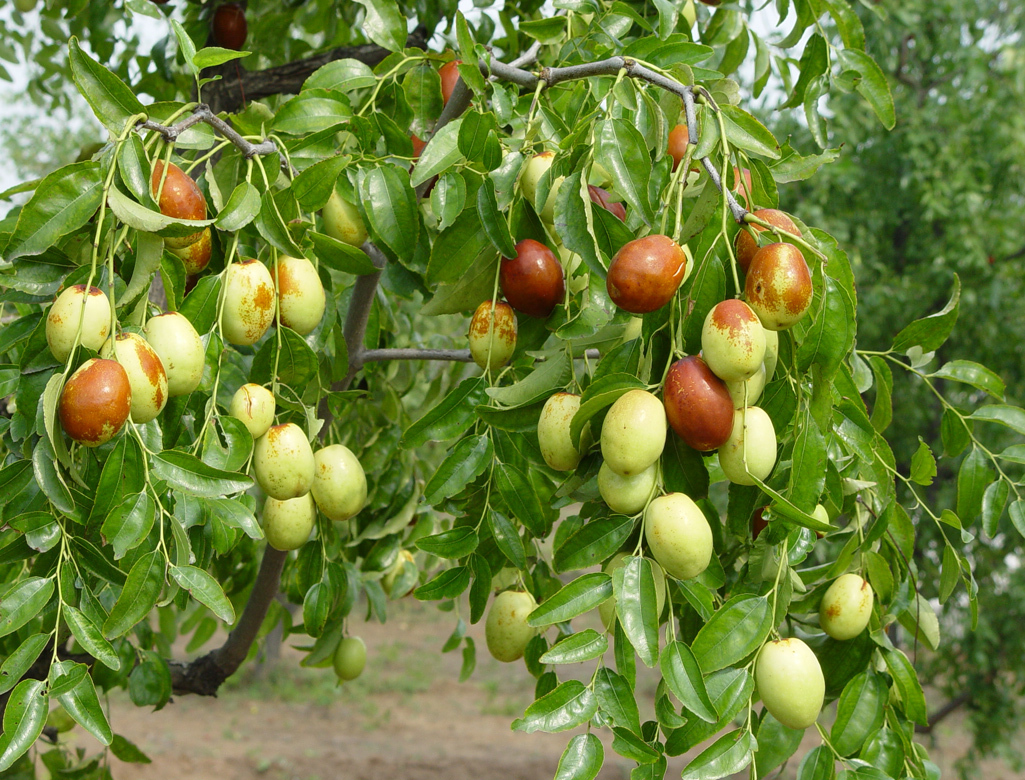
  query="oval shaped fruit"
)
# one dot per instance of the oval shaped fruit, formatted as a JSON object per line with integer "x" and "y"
{"x": 195, "y": 256}
{"x": 533, "y": 281}
{"x": 72, "y": 306}
{"x": 339, "y": 483}
{"x": 742, "y": 186}
{"x": 778, "y": 286}
{"x": 449, "y": 73}
{"x": 634, "y": 432}
{"x": 789, "y": 680}
{"x": 626, "y": 495}
{"x": 146, "y": 376}
{"x": 283, "y": 462}
{"x": 603, "y": 199}
{"x": 698, "y": 404}
{"x": 95, "y": 402}
{"x": 178, "y": 198}
{"x": 350, "y": 658}
{"x": 254, "y": 405}
{"x": 771, "y": 354}
{"x": 506, "y": 630}
{"x": 607, "y": 609}
{"x": 553, "y": 432}
{"x": 679, "y": 139}
{"x": 746, "y": 392}
{"x": 228, "y": 27}
{"x": 492, "y": 334}
{"x": 732, "y": 340}
{"x": 301, "y": 298}
{"x": 753, "y": 426}
{"x": 846, "y": 607}
{"x": 678, "y": 535}
{"x": 180, "y": 349}
{"x": 746, "y": 244}
{"x": 536, "y": 167}
{"x": 249, "y": 302}
{"x": 392, "y": 575}
{"x": 288, "y": 524}
{"x": 645, "y": 273}
{"x": 342, "y": 221}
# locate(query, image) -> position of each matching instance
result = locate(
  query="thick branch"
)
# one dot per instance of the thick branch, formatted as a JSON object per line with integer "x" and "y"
{"x": 454, "y": 355}
{"x": 202, "y": 113}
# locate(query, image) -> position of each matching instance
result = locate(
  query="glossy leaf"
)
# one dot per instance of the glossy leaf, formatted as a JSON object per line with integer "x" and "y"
{"x": 90, "y": 638}
{"x": 467, "y": 460}
{"x": 568, "y": 706}
{"x": 582, "y": 759}
{"x": 23, "y": 602}
{"x": 138, "y": 596}
{"x": 192, "y": 476}
{"x": 637, "y": 606}
{"x": 576, "y": 648}
{"x": 204, "y": 589}
{"x": 684, "y": 678}
{"x": 860, "y": 713}
{"x": 736, "y": 630}
{"x": 24, "y": 717}
{"x": 726, "y": 756}
{"x": 581, "y": 595}
{"x": 593, "y": 543}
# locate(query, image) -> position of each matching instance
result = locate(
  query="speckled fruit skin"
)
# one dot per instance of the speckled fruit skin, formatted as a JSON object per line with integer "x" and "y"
{"x": 532, "y": 282}
{"x": 789, "y": 680}
{"x": 195, "y": 256}
{"x": 180, "y": 349}
{"x": 288, "y": 524}
{"x": 607, "y": 609}
{"x": 601, "y": 197}
{"x": 505, "y": 629}
{"x": 771, "y": 354}
{"x": 180, "y": 198}
{"x": 283, "y": 462}
{"x": 342, "y": 221}
{"x": 778, "y": 286}
{"x": 62, "y": 320}
{"x": 536, "y": 167}
{"x": 846, "y": 607}
{"x": 753, "y": 425}
{"x": 339, "y": 483}
{"x": 553, "y": 432}
{"x": 754, "y": 384}
{"x": 146, "y": 375}
{"x": 95, "y": 402}
{"x": 350, "y": 658}
{"x": 678, "y": 535}
{"x": 254, "y": 405}
{"x": 634, "y": 432}
{"x": 698, "y": 404}
{"x": 732, "y": 340}
{"x": 679, "y": 138}
{"x": 747, "y": 246}
{"x": 645, "y": 274}
{"x": 301, "y": 297}
{"x": 449, "y": 73}
{"x": 249, "y": 302}
{"x": 626, "y": 495}
{"x": 492, "y": 334}
{"x": 228, "y": 27}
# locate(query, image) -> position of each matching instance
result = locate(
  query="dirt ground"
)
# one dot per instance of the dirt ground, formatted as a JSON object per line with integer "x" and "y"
{"x": 407, "y": 717}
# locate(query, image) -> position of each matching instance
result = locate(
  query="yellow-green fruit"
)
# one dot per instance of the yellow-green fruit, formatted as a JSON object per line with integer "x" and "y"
{"x": 146, "y": 375}
{"x": 350, "y": 658}
{"x": 771, "y": 353}
{"x": 288, "y": 524}
{"x": 754, "y": 436}
{"x": 626, "y": 495}
{"x": 254, "y": 405}
{"x": 492, "y": 335}
{"x": 65, "y": 314}
{"x": 536, "y": 167}
{"x": 342, "y": 221}
{"x": 846, "y": 607}
{"x": 732, "y": 340}
{"x": 301, "y": 297}
{"x": 754, "y": 386}
{"x": 634, "y": 432}
{"x": 678, "y": 535}
{"x": 790, "y": 682}
{"x": 553, "y": 432}
{"x": 690, "y": 14}
{"x": 339, "y": 483}
{"x": 180, "y": 349}
{"x": 607, "y": 609}
{"x": 249, "y": 302}
{"x": 283, "y": 462}
{"x": 506, "y": 630}
{"x": 388, "y": 580}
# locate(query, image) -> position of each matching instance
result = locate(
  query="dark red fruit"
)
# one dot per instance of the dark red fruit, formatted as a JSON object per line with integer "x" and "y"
{"x": 747, "y": 246}
{"x": 758, "y": 522}
{"x": 679, "y": 138}
{"x": 228, "y": 27}
{"x": 698, "y": 405}
{"x": 449, "y": 73}
{"x": 533, "y": 281}
{"x": 95, "y": 402}
{"x": 601, "y": 197}
{"x": 645, "y": 273}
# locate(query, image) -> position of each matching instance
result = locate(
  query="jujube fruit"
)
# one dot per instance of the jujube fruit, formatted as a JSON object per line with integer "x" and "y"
{"x": 536, "y": 167}
{"x": 626, "y": 495}
{"x": 63, "y": 318}
{"x": 301, "y": 298}
{"x": 506, "y": 630}
{"x": 180, "y": 198}
{"x": 746, "y": 392}
{"x": 633, "y": 434}
{"x": 846, "y": 607}
{"x": 180, "y": 349}
{"x": 249, "y": 302}
{"x": 95, "y": 402}
{"x": 732, "y": 340}
{"x": 771, "y": 354}
{"x": 789, "y": 680}
{"x": 645, "y": 273}
{"x": 392, "y": 575}
{"x": 601, "y": 198}
{"x": 449, "y": 73}
{"x": 288, "y": 524}
{"x": 350, "y": 658}
{"x": 195, "y": 256}
{"x": 146, "y": 376}
{"x": 228, "y": 27}
{"x": 553, "y": 432}
{"x": 753, "y": 427}
{"x": 778, "y": 286}
{"x": 254, "y": 405}
{"x": 698, "y": 404}
{"x": 607, "y": 609}
{"x": 676, "y": 147}
{"x": 283, "y": 462}
{"x": 339, "y": 483}
{"x": 678, "y": 535}
{"x": 342, "y": 221}
{"x": 746, "y": 244}
{"x": 533, "y": 281}
{"x": 492, "y": 334}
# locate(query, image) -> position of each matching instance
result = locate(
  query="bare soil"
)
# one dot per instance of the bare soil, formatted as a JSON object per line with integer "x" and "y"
{"x": 407, "y": 717}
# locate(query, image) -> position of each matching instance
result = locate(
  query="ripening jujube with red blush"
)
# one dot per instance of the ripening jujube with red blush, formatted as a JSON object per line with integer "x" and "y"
{"x": 645, "y": 274}
{"x": 778, "y": 286}
{"x": 492, "y": 334}
{"x": 146, "y": 376}
{"x": 679, "y": 140}
{"x": 698, "y": 404}
{"x": 732, "y": 340}
{"x": 746, "y": 244}
{"x": 449, "y": 73}
{"x": 249, "y": 302}
{"x": 178, "y": 198}
{"x": 228, "y": 27}
{"x": 532, "y": 282}
{"x": 195, "y": 256}
{"x": 602, "y": 198}
{"x": 95, "y": 402}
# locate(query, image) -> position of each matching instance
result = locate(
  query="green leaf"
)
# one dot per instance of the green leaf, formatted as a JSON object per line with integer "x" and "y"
{"x": 493, "y": 221}
{"x": 50, "y": 480}
{"x": 212, "y": 56}
{"x": 993, "y": 502}
{"x": 271, "y": 226}
{"x": 193, "y": 477}
{"x": 600, "y": 394}
{"x": 342, "y": 75}
{"x": 814, "y": 62}
{"x": 683, "y": 676}
{"x": 440, "y": 154}
{"x": 808, "y": 465}
{"x": 341, "y": 256}
{"x": 446, "y": 585}
{"x": 910, "y": 689}
{"x": 242, "y": 207}
{"x": 637, "y": 606}
{"x": 475, "y": 285}
{"x": 25, "y": 601}
{"x": 467, "y": 460}
{"x": 138, "y": 596}
{"x": 384, "y": 24}
{"x": 726, "y": 756}
{"x": 455, "y": 543}
{"x": 204, "y": 589}
{"x": 923, "y": 464}
{"x": 18, "y": 662}
{"x": 89, "y": 636}
{"x": 450, "y": 417}
{"x": 391, "y": 209}
{"x": 974, "y": 476}
{"x": 616, "y": 699}
{"x": 683, "y": 469}
{"x": 111, "y": 100}
{"x": 24, "y": 718}
{"x": 311, "y": 111}
{"x": 620, "y": 148}
{"x": 127, "y": 751}
{"x": 582, "y": 759}
{"x": 872, "y": 86}
{"x": 539, "y": 384}
{"x": 294, "y": 359}
{"x": 859, "y": 713}
{"x": 931, "y": 332}
{"x": 63, "y": 202}
{"x": 576, "y": 648}
{"x": 568, "y": 706}
{"x": 817, "y": 764}
{"x": 457, "y": 246}
{"x": 776, "y": 744}
{"x": 314, "y": 186}
{"x": 1012, "y": 417}
{"x": 831, "y": 333}
{"x": 83, "y": 705}
{"x": 521, "y": 498}
{"x": 236, "y": 514}
{"x": 973, "y": 374}
{"x": 593, "y": 543}
{"x": 748, "y": 133}
{"x": 736, "y": 630}
{"x": 581, "y": 595}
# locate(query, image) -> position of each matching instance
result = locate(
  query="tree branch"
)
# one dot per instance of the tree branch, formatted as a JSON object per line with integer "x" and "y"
{"x": 454, "y": 355}
{"x": 203, "y": 113}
